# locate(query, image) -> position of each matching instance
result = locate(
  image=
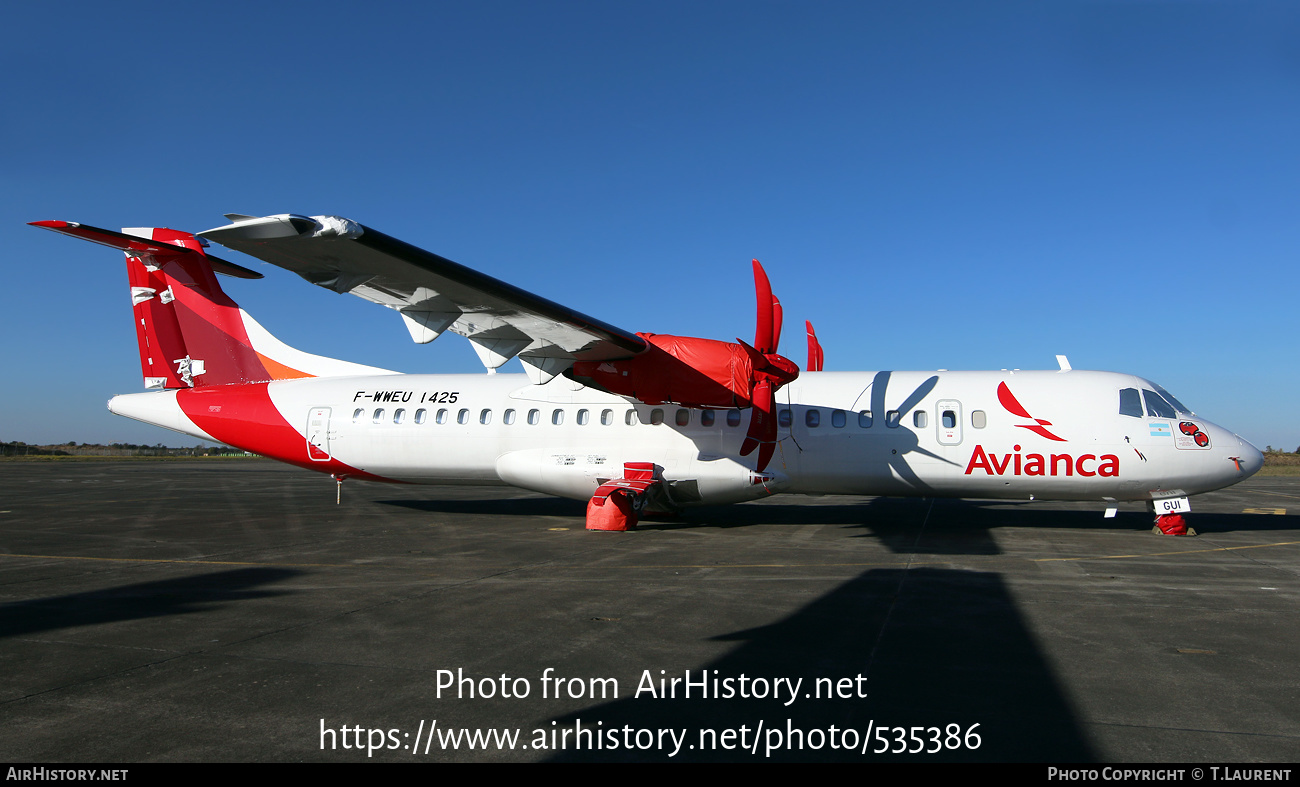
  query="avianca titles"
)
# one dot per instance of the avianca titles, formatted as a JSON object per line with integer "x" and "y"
{"x": 624, "y": 420}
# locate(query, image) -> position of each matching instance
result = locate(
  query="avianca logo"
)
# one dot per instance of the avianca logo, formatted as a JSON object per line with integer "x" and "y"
{"x": 1107, "y": 465}
{"x": 1016, "y": 408}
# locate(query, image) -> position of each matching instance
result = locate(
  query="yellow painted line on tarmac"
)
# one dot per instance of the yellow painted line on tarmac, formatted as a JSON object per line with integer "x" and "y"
{"x": 1164, "y": 554}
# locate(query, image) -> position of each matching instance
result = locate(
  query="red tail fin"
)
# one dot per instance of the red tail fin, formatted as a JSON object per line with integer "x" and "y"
{"x": 191, "y": 334}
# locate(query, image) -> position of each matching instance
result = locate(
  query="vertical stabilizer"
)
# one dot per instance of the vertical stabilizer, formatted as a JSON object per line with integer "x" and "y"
{"x": 191, "y": 334}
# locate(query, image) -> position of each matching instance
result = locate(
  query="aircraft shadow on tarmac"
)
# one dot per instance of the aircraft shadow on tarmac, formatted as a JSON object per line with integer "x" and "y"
{"x": 938, "y": 647}
{"x": 142, "y": 600}
{"x": 951, "y": 526}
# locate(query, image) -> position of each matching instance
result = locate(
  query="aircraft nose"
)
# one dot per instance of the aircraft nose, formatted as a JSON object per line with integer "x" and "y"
{"x": 1249, "y": 458}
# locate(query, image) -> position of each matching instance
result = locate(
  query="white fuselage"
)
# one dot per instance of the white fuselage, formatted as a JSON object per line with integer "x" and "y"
{"x": 942, "y": 433}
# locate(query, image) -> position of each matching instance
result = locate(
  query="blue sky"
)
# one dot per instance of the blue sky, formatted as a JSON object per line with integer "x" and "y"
{"x": 936, "y": 185}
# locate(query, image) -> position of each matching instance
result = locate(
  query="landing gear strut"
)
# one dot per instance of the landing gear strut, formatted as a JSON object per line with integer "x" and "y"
{"x": 618, "y": 503}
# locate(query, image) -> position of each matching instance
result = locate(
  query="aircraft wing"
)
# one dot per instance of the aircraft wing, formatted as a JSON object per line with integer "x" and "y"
{"x": 432, "y": 293}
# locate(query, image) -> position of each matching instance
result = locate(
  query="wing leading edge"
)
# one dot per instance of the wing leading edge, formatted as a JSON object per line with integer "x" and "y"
{"x": 432, "y": 293}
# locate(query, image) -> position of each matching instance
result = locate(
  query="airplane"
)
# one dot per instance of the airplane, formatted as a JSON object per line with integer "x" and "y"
{"x": 633, "y": 423}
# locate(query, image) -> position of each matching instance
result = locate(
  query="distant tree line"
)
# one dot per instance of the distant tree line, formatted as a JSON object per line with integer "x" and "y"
{"x": 19, "y": 448}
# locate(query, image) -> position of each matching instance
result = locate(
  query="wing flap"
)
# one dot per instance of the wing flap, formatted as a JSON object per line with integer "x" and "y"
{"x": 432, "y": 293}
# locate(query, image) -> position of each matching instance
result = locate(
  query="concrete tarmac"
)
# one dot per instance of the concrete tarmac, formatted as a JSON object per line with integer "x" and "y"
{"x": 231, "y": 611}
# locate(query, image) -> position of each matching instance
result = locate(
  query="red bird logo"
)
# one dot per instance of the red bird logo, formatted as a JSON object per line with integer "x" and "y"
{"x": 1008, "y": 401}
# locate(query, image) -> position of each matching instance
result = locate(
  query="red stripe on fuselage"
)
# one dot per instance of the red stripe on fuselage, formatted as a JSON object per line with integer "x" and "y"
{"x": 244, "y": 416}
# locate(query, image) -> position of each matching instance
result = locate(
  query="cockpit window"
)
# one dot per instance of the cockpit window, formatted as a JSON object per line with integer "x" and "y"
{"x": 1157, "y": 406}
{"x": 1130, "y": 402}
{"x": 1177, "y": 404}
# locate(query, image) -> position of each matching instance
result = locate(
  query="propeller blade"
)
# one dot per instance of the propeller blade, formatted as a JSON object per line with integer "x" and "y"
{"x": 815, "y": 358}
{"x": 767, "y": 330}
{"x": 777, "y": 317}
{"x": 762, "y": 425}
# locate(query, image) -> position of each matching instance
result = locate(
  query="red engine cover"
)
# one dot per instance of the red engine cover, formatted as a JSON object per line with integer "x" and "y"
{"x": 681, "y": 369}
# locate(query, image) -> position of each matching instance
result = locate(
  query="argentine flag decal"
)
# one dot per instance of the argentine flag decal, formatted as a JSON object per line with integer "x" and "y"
{"x": 1160, "y": 430}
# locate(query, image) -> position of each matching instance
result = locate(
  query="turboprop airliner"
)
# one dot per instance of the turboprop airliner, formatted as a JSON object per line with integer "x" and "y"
{"x": 627, "y": 421}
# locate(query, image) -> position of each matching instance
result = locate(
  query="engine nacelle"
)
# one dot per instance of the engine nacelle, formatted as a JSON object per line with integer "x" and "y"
{"x": 688, "y": 371}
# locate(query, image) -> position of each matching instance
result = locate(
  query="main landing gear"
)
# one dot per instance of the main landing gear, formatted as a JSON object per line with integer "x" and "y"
{"x": 619, "y": 502}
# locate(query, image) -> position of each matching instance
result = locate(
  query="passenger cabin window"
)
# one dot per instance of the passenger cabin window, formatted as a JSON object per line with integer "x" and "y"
{"x": 463, "y": 416}
{"x": 358, "y": 414}
{"x": 485, "y": 417}
{"x": 630, "y": 419}
{"x": 864, "y": 419}
{"x": 442, "y": 416}
{"x": 606, "y": 417}
{"x": 919, "y": 419}
{"x": 379, "y": 416}
{"x": 399, "y": 415}
{"x": 978, "y": 419}
{"x": 656, "y": 416}
{"x": 683, "y": 417}
{"x": 948, "y": 419}
{"x": 784, "y": 417}
{"x": 1156, "y": 406}
{"x": 583, "y": 417}
{"x": 508, "y": 417}
{"x": 706, "y": 417}
{"x": 891, "y": 419}
{"x": 557, "y": 416}
{"x": 812, "y": 418}
{"x": 733, "y": 418}
{"x": 838, "y": 419}
{"x": 534, "y": 416}
{"x": 421, "y": 416}
{"x": 1130, "y": 402}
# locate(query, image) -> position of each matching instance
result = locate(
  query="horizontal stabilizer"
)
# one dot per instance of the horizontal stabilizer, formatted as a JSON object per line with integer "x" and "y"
{"x": 134, "y": 243}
